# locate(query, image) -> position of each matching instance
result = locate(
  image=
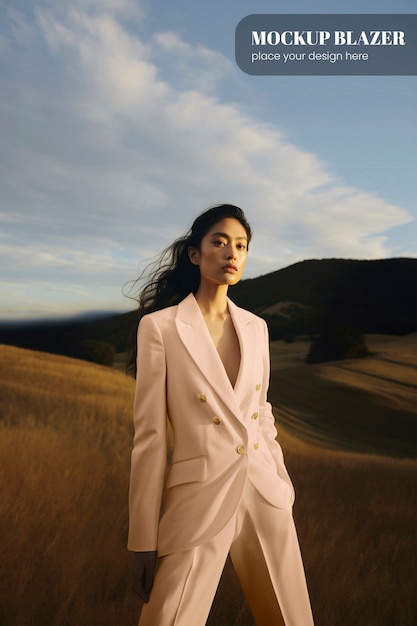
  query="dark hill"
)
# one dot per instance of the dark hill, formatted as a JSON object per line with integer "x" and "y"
{"x": 373, "y": 296}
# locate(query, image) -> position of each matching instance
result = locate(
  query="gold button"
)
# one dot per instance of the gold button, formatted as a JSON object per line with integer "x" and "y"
{"x": 258, "y": 386}
{"x": 202, "y": 397}
{"x": 216, "y": 420}
{"x": 241, "y": 450}
{"x": 255, "y": 415}
{"x": 256, "y": 446}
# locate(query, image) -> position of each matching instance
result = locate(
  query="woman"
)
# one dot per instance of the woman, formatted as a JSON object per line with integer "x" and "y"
{"x": 203, "y": 363}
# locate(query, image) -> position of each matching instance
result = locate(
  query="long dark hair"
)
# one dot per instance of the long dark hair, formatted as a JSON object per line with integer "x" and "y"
{"x": 171, "y": 277}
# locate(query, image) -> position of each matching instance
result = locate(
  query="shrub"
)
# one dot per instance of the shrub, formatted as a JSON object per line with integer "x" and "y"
{"x": 338, "y": 342}
{"x": 95, "y": 351}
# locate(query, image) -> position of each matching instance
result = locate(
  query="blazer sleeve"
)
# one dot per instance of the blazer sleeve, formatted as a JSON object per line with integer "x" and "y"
{"x": 149, "y": 454}
{"x": 266, "y": 416}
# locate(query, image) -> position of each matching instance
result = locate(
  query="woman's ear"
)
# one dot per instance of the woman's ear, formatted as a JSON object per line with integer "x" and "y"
{"x": 194, "y": 255}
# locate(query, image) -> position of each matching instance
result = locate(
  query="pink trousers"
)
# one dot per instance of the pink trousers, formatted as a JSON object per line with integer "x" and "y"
{"x": 264, "y": 549}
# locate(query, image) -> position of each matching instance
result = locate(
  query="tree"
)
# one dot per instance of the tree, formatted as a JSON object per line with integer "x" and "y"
{"x": 336, "y": 343}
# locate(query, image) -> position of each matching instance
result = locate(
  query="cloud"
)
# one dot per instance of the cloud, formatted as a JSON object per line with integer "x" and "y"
{"x": 104, "y": 150}
{"x": 190, "y": 66}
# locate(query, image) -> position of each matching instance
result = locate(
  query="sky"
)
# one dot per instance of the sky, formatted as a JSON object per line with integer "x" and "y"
{"x": 122, "y": 120}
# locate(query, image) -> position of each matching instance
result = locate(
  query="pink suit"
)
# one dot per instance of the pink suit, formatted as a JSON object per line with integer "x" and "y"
{"x": 224, "y": 438}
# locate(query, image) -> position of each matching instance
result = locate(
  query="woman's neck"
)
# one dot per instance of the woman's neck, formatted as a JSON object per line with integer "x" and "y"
{"x": 212, "y": 299}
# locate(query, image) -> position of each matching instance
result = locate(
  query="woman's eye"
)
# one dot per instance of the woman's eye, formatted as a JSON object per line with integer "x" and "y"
{"x": 220, "y": 243}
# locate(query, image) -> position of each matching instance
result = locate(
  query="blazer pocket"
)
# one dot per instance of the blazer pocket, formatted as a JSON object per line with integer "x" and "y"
{"x": 189, "y": 471}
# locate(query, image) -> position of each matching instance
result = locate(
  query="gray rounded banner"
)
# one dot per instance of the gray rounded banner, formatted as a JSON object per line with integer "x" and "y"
{"x": 335, "y": 45}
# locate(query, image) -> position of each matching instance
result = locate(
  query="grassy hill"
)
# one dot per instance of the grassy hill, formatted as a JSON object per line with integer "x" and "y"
{"x": 65, "y": 440}
{"x": 373, "y": 296}
{"x": 367, "y": 405}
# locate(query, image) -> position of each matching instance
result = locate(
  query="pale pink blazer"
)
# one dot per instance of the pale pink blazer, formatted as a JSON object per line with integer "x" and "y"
{"x": 223, "y": 436}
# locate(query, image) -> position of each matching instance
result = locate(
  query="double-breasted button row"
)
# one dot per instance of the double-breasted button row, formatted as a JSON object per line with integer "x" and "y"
{"x": 258, "y": 387}
{"x": 256, "y": 445}
{"x": 255, "y": 415}
{"x": 203, "y": 398}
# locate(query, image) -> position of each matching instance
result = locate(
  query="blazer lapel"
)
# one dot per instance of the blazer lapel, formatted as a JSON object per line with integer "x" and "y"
{"x": 196, "y": 338}
{"x": 245, "y": 329}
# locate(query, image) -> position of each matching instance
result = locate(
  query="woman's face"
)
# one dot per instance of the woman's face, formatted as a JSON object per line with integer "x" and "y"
{"x": 222, "y": 254}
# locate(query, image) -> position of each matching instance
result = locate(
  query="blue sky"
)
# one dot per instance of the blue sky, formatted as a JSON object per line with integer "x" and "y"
{"x": 121, "y": 120}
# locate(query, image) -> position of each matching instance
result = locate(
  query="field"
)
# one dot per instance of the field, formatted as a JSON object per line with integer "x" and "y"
{"x": 366, "y": 405}
{"x": 65, "y": 439}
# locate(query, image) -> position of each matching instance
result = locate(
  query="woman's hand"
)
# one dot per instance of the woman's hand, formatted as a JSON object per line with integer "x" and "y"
{"x": 143, "y": 571}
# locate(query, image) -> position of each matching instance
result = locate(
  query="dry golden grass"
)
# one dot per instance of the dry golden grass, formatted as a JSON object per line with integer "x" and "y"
{"x": 357, "y": 519}
{"x": 366, "y": 404}
{"x": 65, "y": 440}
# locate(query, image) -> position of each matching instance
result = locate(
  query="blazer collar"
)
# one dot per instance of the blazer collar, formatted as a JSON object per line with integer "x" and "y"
{"x": 195, "y": 336}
